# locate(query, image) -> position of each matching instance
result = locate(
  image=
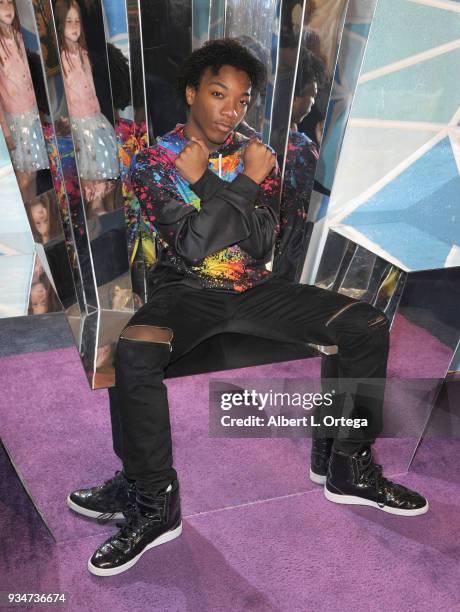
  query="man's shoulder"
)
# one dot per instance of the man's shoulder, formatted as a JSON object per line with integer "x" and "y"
{"x": 155, "y": 156}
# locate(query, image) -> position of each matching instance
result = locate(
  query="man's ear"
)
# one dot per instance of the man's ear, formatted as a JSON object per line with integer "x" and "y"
{"x": 190, "y": 93}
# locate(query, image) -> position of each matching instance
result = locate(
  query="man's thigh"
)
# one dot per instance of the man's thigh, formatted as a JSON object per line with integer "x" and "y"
{"x": 289, "y": 312}
{"x": 191, "y": 314}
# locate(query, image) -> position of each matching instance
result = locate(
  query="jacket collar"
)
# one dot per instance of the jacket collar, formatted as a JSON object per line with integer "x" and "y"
{"x": 175, "y": 141}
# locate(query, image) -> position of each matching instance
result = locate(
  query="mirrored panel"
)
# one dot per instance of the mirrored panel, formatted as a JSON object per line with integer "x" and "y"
{"x": 425, "y": 330}
{"x": 127, "y": 84}
{"x": 257, "y": 26}
{"x": 166, "y": 41}
{"x": 42, "y": 296}
{"x": 20, "y": 115}
{"x": 45, "y": 207}
{"x": 99, "y": 336}
{"x": 359, "y": 273}
{"x": 62, "y": 153}
{"x": 353, "y": 43}
{"x": 422, "y": 306}
{"x": 84, "y": 64}
{"x": 136, "y": 61}
{"x": 320, "y": 25}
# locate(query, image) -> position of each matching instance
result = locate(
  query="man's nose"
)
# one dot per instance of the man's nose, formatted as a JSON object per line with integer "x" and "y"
{"x": 230, "y": 110}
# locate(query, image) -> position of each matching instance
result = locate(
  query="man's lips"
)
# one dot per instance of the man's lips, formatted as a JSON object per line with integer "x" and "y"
{"x": 223, "y": 127}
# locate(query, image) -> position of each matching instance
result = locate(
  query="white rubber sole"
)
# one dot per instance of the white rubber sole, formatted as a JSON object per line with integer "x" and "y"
{"x": 90, "y": 513}
{"x": 165, "y": 537}
{"x": 359, "y": 501}
{"x": 317, "y": 478}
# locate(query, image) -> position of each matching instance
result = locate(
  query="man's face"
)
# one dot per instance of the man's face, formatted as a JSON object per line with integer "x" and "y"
{"x": 218, "y": 105}
{"x": 303, "y": 104}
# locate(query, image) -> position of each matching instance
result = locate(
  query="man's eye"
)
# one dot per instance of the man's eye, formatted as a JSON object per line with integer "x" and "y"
{"x": 217, "y": 93}
{"x": 244, "y": 102}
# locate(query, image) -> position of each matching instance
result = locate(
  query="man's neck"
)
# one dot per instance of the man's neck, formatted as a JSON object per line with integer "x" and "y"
{"x": 191, "y": 130}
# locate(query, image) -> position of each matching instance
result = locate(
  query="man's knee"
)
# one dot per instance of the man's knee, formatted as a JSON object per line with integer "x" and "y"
{"x": 142, "y": 350}
{"x": 363, "y": 319}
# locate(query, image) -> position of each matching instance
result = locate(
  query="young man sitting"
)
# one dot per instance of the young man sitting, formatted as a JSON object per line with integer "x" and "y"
{"x": 212, "y": 196}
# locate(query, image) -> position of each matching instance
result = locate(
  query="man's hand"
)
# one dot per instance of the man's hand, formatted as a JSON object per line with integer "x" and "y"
{"x": 192, "y": 161}
{"x": 258, "y": 160}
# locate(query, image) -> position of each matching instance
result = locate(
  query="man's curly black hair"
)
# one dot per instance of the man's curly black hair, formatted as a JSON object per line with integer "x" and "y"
{"x": 310, "y": 69}
{"x": 217, "y": 53}
{"x": 119, "y": 77}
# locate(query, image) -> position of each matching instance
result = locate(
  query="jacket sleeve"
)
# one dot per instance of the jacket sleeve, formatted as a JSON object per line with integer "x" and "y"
{"x": 221, "y": 221}
{"x": 264, "y": 219}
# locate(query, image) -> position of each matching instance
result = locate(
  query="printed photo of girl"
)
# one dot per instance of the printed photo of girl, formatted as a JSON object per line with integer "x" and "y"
{"x": 19, "y": 116}
{"x": 94, "y": 136}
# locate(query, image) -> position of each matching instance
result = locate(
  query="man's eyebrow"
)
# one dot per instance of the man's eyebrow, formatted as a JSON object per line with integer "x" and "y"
{"x": 245, "y": 93}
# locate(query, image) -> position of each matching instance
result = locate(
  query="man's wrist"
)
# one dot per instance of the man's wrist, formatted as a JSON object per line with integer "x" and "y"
{"x": 253, "y": 178}
{"x": 196, "y": 179}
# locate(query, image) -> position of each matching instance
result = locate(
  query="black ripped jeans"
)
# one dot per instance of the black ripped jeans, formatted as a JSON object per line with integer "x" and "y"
{"x": 278, "y": 310}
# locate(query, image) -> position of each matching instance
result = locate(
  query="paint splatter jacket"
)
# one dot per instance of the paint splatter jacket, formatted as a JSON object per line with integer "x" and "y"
{"x": 217, "y": 233}
{"x": 299, "y": 174}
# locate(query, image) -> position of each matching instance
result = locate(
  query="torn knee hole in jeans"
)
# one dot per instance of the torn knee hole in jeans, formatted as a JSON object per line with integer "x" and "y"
{"x": 148, "y": 333}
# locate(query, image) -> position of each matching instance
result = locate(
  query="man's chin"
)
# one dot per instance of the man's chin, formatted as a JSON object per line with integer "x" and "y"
{"x": 220, "y": 138}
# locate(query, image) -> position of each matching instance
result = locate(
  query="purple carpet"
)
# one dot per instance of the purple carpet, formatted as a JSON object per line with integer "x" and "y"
{"x": 258, "y": 535}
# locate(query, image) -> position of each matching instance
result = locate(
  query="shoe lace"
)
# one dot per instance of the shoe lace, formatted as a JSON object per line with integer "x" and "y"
{"x": 372, "y": 474}
{"x": 153, "y": 512}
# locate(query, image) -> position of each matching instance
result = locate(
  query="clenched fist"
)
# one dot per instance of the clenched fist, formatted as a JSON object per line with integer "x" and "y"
{"x": 192, "y": 161}
{"x": 258, "y": 160}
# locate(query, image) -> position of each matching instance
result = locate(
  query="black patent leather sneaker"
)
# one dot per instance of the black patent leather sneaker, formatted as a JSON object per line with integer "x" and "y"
{"x": 152, "y": 520}
{"x": 106, "y": 501}
{"x": 320, "y": 454}
{"x": 356, "y": 479}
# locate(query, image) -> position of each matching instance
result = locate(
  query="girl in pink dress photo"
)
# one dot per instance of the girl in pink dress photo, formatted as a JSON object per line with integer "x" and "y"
{"x": 19, "y": 115}
{"x": 94, "y": 137}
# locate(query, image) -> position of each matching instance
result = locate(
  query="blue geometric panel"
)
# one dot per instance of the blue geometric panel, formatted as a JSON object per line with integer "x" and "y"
{"x": 415, "y": 249}
{"x": 426, "y": 91}
{"x": 414, "y": 28}
{"x": 345, "y": 79}
{"x": 115, "y": 13}
{"x": 416, "y": 217}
